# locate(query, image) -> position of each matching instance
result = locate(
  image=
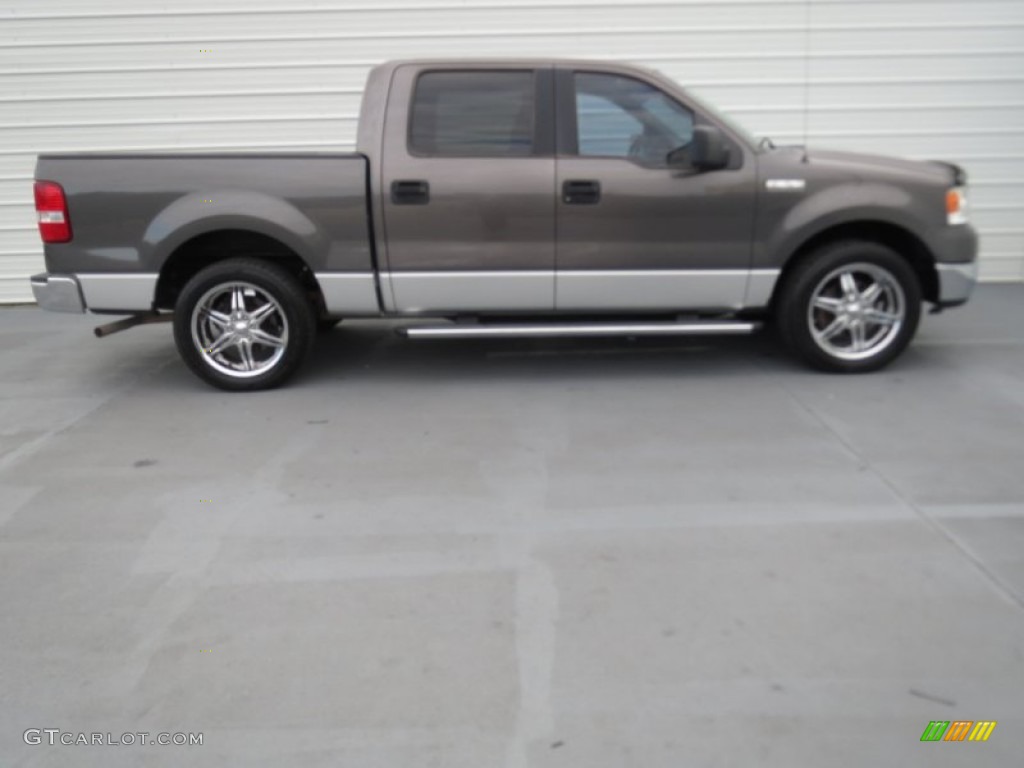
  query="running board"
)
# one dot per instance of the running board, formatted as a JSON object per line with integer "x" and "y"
{"x": 692, "y": 328}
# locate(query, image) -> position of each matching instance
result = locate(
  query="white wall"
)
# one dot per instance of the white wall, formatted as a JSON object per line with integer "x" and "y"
{"x": 922, "y": 78}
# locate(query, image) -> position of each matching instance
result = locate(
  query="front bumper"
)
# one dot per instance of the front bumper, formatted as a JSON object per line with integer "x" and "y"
{"x": 58, "y": 293}
{"x": 956, "y": 281}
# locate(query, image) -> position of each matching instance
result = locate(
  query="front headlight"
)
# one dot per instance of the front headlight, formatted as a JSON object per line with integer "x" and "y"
{"x": 956, "y": 206}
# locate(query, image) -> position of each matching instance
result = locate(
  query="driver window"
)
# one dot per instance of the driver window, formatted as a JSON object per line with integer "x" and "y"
{"x": 621, "y": 117}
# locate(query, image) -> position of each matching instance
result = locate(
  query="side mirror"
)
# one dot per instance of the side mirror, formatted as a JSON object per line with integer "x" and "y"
{"x": 708, "y": 150}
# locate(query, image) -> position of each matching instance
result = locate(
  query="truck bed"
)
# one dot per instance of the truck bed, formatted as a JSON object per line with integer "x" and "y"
{"x": 131, "y": 212}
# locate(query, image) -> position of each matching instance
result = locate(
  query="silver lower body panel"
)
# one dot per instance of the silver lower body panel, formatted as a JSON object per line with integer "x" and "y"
{"x": 119, "y": 292}
{"x": 58, "y": 293}
{"x": 97, "y": 292}
{"x": 663, "y": 289}
{"x": 956, "y": 281}
{"x": 484, "y": 291}
{"x": 355, "y": 294}
{"x": 637, "y": 290}
{"x": 349, "y": 294}
{"x": 760, "y": 288}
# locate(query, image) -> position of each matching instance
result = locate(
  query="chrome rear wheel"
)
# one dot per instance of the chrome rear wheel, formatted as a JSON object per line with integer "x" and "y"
{"x": 244, "y": 324}
{"x": 241, "y": 329}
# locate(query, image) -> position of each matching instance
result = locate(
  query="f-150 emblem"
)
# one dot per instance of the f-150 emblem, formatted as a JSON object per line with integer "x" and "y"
{"x": 785, "y": 185}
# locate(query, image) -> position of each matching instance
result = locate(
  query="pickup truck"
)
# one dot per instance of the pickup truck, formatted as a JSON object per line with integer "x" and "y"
{"x": 509, "y": 198}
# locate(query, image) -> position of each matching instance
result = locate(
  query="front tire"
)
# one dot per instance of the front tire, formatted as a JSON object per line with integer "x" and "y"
{"x": 244, "y": 325}
{"x": 850, "y": 307}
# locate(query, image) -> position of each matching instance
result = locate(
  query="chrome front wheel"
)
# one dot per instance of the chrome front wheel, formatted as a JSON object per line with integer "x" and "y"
{"x": 856, "y": 311}
{"x": 850, "y": 306}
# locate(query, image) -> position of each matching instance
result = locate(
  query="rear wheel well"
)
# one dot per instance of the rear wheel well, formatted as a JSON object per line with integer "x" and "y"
{"x": 900, "y": 240}
{"x": 200, "y": 252}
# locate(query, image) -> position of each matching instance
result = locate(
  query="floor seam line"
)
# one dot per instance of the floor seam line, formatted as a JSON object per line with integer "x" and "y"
{"x": 997, "y": 583}
{"x": 12, "y": 459}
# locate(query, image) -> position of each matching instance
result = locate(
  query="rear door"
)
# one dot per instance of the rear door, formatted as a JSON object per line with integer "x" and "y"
{"x": 468, "y": 188}
{"x": 633, "y": 233}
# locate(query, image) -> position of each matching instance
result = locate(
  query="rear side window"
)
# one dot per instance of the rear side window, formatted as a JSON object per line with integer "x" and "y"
{"x": 473, "y": 114}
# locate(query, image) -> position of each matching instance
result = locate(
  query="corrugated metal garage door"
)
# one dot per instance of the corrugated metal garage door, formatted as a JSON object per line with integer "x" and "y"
{"x": 922, "y": 78}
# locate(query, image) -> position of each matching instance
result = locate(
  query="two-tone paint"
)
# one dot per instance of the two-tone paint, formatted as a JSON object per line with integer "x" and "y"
{"x": 496, "y": 235}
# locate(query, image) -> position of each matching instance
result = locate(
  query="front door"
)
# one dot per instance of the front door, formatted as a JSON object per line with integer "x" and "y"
{"x": 468, "y": 187}
{"x": 633, "y": 233}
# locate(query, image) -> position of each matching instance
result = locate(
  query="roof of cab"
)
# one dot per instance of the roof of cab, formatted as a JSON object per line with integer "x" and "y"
{"x": 484, "y": 63}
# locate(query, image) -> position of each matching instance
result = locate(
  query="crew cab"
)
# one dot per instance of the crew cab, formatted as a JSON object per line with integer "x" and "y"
{"x": 509, "y": 198}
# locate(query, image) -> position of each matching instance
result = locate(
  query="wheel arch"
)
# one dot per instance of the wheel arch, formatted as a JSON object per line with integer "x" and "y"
{"x": 218, "y": 245}
{"x": 904, "y": 242}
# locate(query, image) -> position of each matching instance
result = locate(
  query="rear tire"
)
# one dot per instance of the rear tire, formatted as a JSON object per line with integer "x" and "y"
{"x": 850, "y": 307}
{"x": 327, "y": 324}
{"x": 244, "y": 324}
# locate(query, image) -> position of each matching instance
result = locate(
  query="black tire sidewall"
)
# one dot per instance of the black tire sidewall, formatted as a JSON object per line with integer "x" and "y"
{"x": 269, "y": 277}
{"x": 327, "y": 324}
{"x": 796, "y": 295}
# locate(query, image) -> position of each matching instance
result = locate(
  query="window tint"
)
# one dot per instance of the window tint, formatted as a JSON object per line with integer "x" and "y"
{"x": 473, "y": 114}
{"x": 622, "y": 117}
{"x": 604, "y": 128}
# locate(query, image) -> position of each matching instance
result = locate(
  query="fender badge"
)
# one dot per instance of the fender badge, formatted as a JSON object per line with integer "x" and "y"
{"x": 785, "y": 184}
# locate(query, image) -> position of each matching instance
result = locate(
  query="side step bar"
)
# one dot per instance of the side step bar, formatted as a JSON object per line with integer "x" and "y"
{"x": 692, "y": 328}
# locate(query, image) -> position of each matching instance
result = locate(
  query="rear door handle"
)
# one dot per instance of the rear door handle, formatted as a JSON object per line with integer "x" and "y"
{"x": 410, "y": 192}
{"x": 581, "y": 192}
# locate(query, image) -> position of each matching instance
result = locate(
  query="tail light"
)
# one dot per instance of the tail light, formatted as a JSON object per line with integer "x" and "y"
{"x": 52, "y": 207}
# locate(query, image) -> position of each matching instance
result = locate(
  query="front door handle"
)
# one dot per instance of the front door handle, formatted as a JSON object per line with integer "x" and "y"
{"x": 410, "y": 192}
{"x": 581, "y": 192}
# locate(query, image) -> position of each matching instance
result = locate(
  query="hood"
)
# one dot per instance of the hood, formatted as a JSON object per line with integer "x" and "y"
{"x": 867, "y": 167}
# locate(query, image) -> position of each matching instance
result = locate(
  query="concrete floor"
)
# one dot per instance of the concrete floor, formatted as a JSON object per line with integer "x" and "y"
{"x": 510, "y": 553}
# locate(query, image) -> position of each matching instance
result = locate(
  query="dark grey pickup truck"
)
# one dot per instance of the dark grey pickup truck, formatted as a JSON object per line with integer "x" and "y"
{"x": 509, "y": 198}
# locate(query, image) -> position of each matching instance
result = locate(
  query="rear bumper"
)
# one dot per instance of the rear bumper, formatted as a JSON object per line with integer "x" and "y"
{"x": 956, "y": 282}
{"x": 98, "y": 292}
{"x": 58, "y": 293}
